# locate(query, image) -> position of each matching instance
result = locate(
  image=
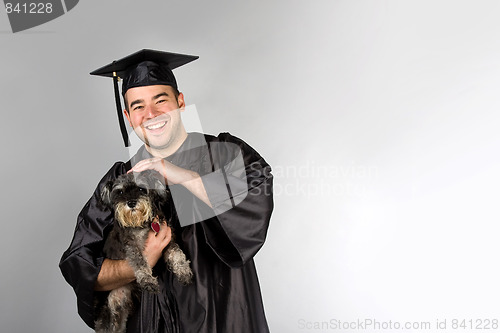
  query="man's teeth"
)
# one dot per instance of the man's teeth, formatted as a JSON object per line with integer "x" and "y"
{"x": 155, "y": 126}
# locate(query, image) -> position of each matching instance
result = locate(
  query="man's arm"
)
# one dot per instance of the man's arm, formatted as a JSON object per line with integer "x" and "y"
{"x": 240, "y": 190}
{"x": 241, "y": 197}
{"x": 114, "y": 274}
{"x": 117, "y": 273}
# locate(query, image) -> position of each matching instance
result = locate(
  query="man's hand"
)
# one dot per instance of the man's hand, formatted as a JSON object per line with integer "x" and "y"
{"x": 175, "y": 175}
{"x": 117, "y": 273}
{"x": 172, "y": 173}
{"x": 155, "y": 244}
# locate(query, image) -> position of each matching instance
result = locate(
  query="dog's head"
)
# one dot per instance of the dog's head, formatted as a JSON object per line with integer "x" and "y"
{"x": 135, "y": 198}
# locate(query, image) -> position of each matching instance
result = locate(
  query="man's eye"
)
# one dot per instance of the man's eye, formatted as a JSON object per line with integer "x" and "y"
{"x": 161, "y": 101}
{"x": 138, "y": 108}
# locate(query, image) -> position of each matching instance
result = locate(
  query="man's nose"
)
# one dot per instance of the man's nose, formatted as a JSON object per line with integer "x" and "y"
{"x": 152, "y": 112}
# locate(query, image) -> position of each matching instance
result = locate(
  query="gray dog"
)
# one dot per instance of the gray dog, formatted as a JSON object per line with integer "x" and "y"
{"x": 140, "y": 202}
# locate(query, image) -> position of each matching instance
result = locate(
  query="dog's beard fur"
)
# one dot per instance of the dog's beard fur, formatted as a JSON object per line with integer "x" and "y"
{"x": 134, "y": 217}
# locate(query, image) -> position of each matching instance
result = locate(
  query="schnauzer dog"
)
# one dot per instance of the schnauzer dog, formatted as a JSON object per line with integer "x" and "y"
{"x": 140, "y": 202}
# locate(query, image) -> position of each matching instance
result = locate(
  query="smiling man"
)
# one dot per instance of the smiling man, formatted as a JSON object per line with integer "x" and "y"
{"x": 222, "y": 190}
{"x": 154, "y": 113}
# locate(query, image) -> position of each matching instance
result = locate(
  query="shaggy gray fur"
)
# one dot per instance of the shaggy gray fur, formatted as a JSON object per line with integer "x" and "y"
{"x": 137, "y": 200}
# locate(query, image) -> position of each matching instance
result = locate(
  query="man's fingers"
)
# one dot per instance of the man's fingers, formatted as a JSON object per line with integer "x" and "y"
{"x": 142, "y": 165}
{"x": 156, "y": 163}
{"x": 166, "y": 233}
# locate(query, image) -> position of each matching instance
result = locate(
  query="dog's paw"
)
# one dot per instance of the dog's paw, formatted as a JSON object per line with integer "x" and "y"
{"x": 177, "y": 263}
{"x": 151, "y": 288}
{"x": 185, "y": 278}
{"x": 148, "y": 283}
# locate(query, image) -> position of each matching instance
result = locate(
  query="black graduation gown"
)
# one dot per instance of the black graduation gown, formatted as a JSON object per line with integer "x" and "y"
{"x": 225, "y": 294}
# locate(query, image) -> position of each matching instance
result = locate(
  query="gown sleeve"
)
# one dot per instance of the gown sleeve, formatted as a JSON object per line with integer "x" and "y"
{"x": 81, "y": 262}
{"x": 240, "y": 191}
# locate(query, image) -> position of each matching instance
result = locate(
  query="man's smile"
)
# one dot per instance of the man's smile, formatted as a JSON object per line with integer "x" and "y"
{"x": 156, "y": 126}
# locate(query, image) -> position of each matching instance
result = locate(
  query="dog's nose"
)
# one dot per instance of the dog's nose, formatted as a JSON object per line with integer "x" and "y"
{"x": 131, "y": 203}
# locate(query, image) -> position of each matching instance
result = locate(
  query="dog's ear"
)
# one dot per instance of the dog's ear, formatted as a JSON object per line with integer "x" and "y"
{"x": 156, "y": 182}
{"x": 163, "y": 200}
{"x": 106, "y": 194}
{"x": 160, "y": 188}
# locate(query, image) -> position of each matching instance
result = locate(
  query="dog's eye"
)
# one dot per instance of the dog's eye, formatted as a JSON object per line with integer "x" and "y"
{"x": 143, "y": 190}
{"x": 120, "y": 192}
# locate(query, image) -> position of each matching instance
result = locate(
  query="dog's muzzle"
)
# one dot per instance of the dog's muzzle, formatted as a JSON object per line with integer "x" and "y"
{"x": 134, "y": 213}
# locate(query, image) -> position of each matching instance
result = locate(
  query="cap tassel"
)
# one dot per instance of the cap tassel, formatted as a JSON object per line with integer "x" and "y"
{"x": 119, "y": 110}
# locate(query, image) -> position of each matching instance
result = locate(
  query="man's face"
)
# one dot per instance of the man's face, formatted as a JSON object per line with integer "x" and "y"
{"x": 153, "y": 112}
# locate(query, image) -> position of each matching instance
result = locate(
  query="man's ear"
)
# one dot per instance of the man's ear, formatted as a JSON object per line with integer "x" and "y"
{"x": 180, "y": 101}
{"x": 127, "y": 116}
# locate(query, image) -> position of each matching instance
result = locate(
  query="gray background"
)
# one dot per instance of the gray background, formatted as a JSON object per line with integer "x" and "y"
{"x": 380, "y": 119}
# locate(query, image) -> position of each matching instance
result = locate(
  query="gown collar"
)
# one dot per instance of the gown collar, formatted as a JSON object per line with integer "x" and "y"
{"x": 187, "y": 154}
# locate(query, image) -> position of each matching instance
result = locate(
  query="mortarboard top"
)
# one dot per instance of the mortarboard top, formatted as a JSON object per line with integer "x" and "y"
{"x": 142, "y": 68}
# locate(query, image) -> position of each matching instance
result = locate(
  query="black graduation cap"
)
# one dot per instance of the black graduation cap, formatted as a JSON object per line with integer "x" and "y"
{"x": 142, "y": 68}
